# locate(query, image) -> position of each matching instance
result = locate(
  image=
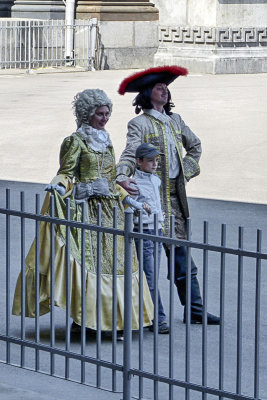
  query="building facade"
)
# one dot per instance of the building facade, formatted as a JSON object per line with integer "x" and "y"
{"x": 206, "y": 36}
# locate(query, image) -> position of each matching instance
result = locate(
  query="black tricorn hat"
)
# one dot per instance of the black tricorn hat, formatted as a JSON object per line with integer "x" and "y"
{"x": 140, "y": 80}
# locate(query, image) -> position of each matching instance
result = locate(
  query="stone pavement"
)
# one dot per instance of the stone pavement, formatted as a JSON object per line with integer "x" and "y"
{"x": 28, "y": 385}
{"x": 228, "y": 113}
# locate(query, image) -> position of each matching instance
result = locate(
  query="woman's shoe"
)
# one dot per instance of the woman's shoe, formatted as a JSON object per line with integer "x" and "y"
{"x": 75, "y": 328}
{"x": 120, "y": 337}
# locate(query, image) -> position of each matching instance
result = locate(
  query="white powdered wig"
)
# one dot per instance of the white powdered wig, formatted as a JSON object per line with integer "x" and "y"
{"x": 86, "y": 102}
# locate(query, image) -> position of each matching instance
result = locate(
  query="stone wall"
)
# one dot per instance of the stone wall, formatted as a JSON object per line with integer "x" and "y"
{"x": 215, "y": 36}
{"x": 128, "y": 31}
{"x": 206, "y": 36}
{"x": 127, "y": 44}
{"x": 214, "y": 50}
{"x": 36, "y": 9}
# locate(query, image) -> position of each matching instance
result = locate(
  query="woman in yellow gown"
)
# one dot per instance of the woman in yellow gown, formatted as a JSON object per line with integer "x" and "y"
{"x": 86, "y": 175}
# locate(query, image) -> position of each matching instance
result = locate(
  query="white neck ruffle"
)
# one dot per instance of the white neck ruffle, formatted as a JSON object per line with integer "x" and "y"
{"x": 97, "y": 139}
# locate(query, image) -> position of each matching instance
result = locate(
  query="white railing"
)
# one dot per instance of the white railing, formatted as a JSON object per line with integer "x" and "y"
{"x": 31, "y": 44}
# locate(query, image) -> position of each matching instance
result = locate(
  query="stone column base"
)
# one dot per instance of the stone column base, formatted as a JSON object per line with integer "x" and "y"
{"x": 117, "y": 11}
{"x": 38, "y": 9}
{"x": 5, "y": 8}
{"x": 214, "y": 50}
{"x": 127, "y": 44}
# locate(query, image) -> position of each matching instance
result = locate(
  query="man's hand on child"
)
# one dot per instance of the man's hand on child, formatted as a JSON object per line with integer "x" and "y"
{"x": 127, "y": 185}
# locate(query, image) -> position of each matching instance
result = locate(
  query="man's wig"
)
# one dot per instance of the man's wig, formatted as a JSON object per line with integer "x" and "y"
{"x": 85, "y": 104}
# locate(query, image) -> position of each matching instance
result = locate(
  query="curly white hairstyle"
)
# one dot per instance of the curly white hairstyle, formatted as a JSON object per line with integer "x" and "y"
{"x": 86, "y": 102}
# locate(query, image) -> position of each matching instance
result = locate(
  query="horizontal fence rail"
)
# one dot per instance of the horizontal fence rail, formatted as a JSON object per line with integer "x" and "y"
{"x": 192, "y": 362}
{"x": 32, "y": 44}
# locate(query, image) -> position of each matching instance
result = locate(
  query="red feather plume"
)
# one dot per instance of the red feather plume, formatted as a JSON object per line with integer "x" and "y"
{"x": 173, "y": 69}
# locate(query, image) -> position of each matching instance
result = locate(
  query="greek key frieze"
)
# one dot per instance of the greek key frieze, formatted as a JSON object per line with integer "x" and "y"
{"x": 237, "y": 35}
{"x": 262, "y": 33}
{"x": 214, "y": 35}
{"x": 205, "y": 35}
{"x": 165, "y": 34}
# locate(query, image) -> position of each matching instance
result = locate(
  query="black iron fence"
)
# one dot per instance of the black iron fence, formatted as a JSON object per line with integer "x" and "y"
{"x": 192, "y": 362}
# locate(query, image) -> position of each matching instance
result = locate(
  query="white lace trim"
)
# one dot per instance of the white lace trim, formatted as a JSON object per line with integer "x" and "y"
{"x": 97, "y": 139}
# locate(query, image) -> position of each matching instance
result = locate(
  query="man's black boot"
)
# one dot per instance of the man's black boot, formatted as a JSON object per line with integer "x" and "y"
{"x": 196, "y": 318}
{"x": 196, "y": 302}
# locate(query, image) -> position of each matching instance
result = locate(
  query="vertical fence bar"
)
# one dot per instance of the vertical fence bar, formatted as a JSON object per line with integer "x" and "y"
{"x": 171, "y": 335}
{"x": 83, "y": 280}
{"x": 188, "y": 310}
{"x": 56, "y": 50}
{"x": 47, "y": 30}
{"x": 257, "y": 318}
{"x": 127, "y": 345}
{"x": 93, "y": 43}
{"x": 29, "y": 44}
{"x": 15, "y": 46}
{"x": 62, "y": 43}
{"x": 6, "y": 41}
{"x": 222, "y": 309}
{"x": 204, "y": 312}
{"x": 7, "y": 275}
{"x": 54, "y": 44}
{"x": 140, "y": 249}
{"x": 50, "y": 44}
{"x": 23, "y": 281}
{"x": 38, "y": 44}
{"x": 62, "y": 28}
{"x": 84, "y": 42}
{"x": 98, "y": 297}
{"x": 239, "y": 312}
{"x": 52, "y": 285}
{"x": 33, "y": 44}
{"x": 67, "y": 255}
{"x": 10, "y": 46}
{"x": 1, "y": 41}
{"x": 9, "y": 29}
{"x": 87, "y": 61}
{"x": 42, "y": 52}
{"x": 156, "y": 309}
{"x": 114, "y": 300}
{"x": 78, "y": 47}
{"x": 20, "y": 44}
{"x": 26, "y": 48}
{"x": 37, "y": 282}
{"x": 3, "y": 24}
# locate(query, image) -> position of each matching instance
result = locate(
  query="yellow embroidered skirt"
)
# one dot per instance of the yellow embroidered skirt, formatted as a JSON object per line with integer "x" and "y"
{"x": 107, "y": 205}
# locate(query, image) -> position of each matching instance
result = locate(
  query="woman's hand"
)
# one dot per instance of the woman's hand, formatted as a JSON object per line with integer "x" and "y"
{"x": 59, "y": 188}
{"x": 128, "y": 185}
{"x": 147, "y": 208}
